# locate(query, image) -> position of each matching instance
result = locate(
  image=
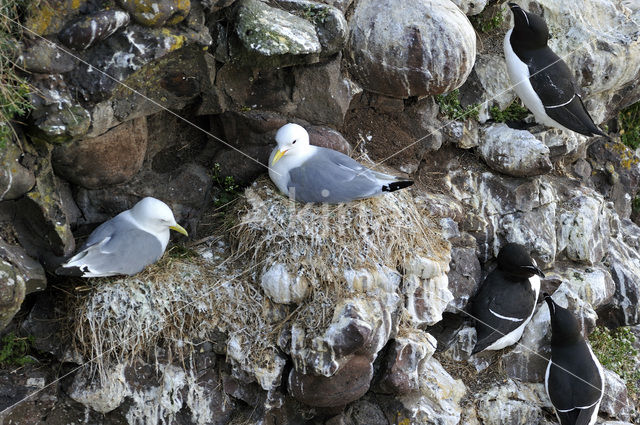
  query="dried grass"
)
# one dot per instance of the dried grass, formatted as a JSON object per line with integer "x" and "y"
{"x": 178, "y": 302}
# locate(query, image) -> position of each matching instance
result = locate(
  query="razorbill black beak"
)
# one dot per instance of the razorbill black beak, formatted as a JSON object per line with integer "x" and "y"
{"x": 513, "y": 6}
{"x": 535, "y": 270}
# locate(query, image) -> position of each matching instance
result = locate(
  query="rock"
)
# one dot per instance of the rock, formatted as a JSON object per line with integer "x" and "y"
{"x": 510, "y": 403}
{"x": 12, "y": 292}
{"x": 270, "y": 32}
{"x": 464, "y": 277}
{"x": 349, "y": 383}
{"x": 59, "y": 124}
{"x": 282, "y": 288}
{"x": 593, "y": 285}
{"x": 110, "y": 159}
{"x": 583, "y": 228}
{"x": 83, "y": 32}
{"x": 29, "y": 269}
{"x": 615, "y": 403}
{"x": 15, "y": 180}
{"x": 363, "y": 412}
{"x": 490, "y": 70}
{"x": 514, "y": 152}
{"x": 470, "y": 7}
{"x": 103, "y": 396}
{"x": 321, "y": 94}
{"x": 463, "y": 133}
{"x": 30, "y": 381}
{"x": 215, "y": 5}
{"x": 560, "y": 143}
{"x": 328, "y": 138}
{"x": 401, "y": 366}
{"x": 438, "y": 399}
{"x": 331, "y": 26}
{"x": 427, "y": 292}
{"x": 268, "y": 375}
{"x": 152, "y": 13}
{"x": 49, "y": 18}
{"x": 400, "y": 53}
{"x": 45, "y": 57}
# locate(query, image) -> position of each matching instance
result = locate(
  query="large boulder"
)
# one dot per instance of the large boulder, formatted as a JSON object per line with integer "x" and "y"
{"x": 404, "y": 49}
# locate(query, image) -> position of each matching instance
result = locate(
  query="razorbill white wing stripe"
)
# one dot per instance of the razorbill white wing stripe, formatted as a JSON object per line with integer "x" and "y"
{"x": 513, "y": 319}
{"x": 562, "y": 104}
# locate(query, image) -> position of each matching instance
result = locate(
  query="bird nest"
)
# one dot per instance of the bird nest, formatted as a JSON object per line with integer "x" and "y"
{"x": 181, "y": 302}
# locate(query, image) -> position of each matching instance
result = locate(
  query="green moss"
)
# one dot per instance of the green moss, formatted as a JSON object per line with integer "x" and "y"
{"x": 14, "y": 89}
{"x": 514, "y": 112}
{"x": 14, "y": 350}
{"x": 615, "y": 350}
{"x": 635, "y": 205}
{"x": 229, "y": 189}
{"x": 487, "y": 21}
{"x": 451, "y": 107}
{"x": 629, "y": 121}
{"x": 315, "y": 14}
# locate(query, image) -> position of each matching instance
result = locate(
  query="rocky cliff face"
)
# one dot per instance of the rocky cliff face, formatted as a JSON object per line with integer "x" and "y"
{"x": 284, "y": 313}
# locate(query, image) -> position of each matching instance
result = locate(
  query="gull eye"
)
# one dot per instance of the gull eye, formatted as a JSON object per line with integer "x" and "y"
{"x": 294, "y": 142}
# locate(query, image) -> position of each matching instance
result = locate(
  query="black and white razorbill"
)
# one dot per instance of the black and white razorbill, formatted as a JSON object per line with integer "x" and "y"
{"x": 574, "y": 380}
{"x": 506, "y": 300}
{"x": 541, "y": 79}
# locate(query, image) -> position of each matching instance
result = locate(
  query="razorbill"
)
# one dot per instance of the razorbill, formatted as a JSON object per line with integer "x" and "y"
{"x": 542, "y": 80}
{"x": 505, "y": 302}
{"x": 574, "y": 380}
{"x": 125, "y": 244}
{"x": 310, "y": 173}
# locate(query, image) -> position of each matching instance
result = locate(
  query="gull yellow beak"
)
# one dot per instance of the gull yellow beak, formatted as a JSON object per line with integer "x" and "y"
{"x": 179, "y": 229}
{"x": 278, "y": 156}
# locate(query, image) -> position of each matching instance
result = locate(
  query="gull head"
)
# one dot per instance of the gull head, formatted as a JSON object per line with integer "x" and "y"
{"x": 155, "y": 216}
{"x": 292, "y": 139}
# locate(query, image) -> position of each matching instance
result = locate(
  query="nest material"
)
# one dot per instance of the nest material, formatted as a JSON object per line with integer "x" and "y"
{"x": 179, "y": 302}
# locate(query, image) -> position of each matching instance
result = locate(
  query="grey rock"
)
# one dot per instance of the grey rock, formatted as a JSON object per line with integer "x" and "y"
{"x": 471, "y": 7}
{"x": 490, "y": 70}
{"x": 343, "y": 5}
{"x": 583, "y": 228}
{"x": 331, "y": 26}
{"x": 363, "y": 412}
{"x": 321, "y": 94}
{"x": 464, "y": 276}
{"x": 15, "y": 179}
{"x": 59, "y": 124}
{"x": 399, "y": 53}
{"x": 153, "y": 13}
{"x": 510, "y": 403}
{"x": 111, "y": 158}
{"x": 400, "y": 370}
{"x": 615, "y": 403}
{"x": 28, "y": 381}
{"x": 514, "y": 152}
{"x": 347, "y": 384}
{"x": 269, "y": 31}
{"x": 12, "y": 292}
{"x": 463, "y": 133}
{"x": 83, "y": 32}
{"x": 45, "y": 57}
{"x": 29, "y": 269}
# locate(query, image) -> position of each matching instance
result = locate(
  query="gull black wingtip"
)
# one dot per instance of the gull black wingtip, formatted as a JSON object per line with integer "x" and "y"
{"x": 392, "y": 187}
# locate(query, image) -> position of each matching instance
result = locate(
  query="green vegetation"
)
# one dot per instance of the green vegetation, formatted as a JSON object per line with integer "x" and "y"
{"x": 451, "y": 107}
{"x": 229, "y": 188}
{"x": 614, "y": 349}
{"x": 514, "y": 112}
{"x": 14, "y": 350}
{"x": 629, "y": 121}
{"x": 181, "y": 252}
{"x": 635, "y": 205}
{"x": 317, "y": 15}
{"x": 14, "y": 89}
{"x": 488, "y": 20}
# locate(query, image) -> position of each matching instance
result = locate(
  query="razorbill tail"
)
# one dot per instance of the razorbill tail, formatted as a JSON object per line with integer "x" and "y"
{"x": 310, "y": 173}
{"x": 574, "y": 380}
{"x": 505, "y": 302}
{"x": 542, "y": 80}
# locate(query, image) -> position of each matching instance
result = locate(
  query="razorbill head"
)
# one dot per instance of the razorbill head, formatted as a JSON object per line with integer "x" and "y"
{"x": 506, "y": 299}
{"x": 541, "y": 79}
{"x": 574, "y": 380}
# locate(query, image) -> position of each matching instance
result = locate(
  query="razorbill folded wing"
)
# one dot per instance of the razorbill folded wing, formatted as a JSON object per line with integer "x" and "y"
{"x": 506, "y": 300}
{"x": 541, "y": 79}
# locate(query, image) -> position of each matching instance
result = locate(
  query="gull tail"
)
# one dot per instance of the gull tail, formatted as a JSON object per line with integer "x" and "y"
{"x": 397, "y": 185}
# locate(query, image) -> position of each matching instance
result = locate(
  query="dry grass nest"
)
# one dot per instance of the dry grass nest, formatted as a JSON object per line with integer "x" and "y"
{"x": 180, "y": 301}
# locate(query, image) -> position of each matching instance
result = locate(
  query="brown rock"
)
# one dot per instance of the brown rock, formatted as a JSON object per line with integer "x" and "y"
{"x": 328, "y": 138}
{"x": 348, "y": 384}
{"x": 112, "y": 158}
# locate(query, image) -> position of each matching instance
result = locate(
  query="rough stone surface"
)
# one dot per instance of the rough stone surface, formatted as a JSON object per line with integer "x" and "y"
{"x": 348, "y": 384}
{"x": 12, "y": 291}
{"x": 29, "y": 269}
{"x": 156, "y": 13}
{"x": 44, "y": 56}
{"x": 471, "y": 7}
{"x": 15, "y": 180}
{"x": 616, "y": 402}
{"x": 399, "y": 53}
{"x": 112, "y": 158}
{"x": 282, "y": 288}
{"x": 510, "y": 403}
{"x": 427, "y": 288}
{"x": 84, "y": 32}
{"x": 514, "y": 152}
